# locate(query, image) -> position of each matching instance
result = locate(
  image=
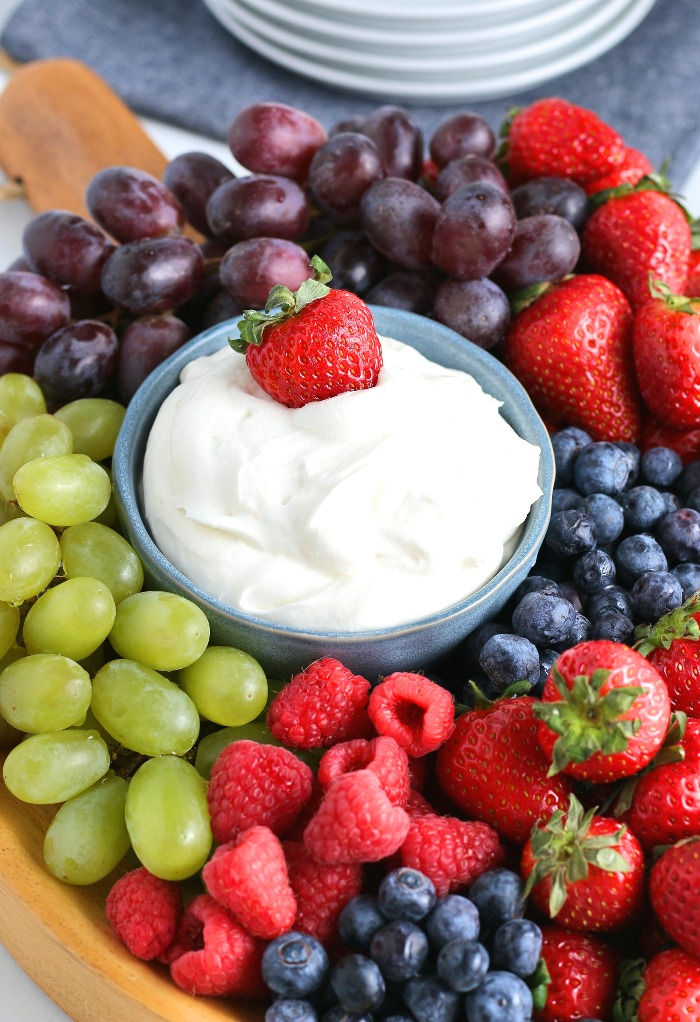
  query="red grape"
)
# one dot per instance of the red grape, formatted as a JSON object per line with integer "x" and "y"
{"x": 477, "y": 309}
{"x": 412, "y": 290}
{"x": 15, "y": 360}
{"x": 192, "y": 177}
{"x": 399, "y": 217}
{"x": 461, "y": 134}
{"x": 146, "y": 343}
{"x": 261, "y": 205}
{"x": 273, "y": 138}
{"x": 219, "y": 309}
{"x": 76, "y": 361}
{"x": 354, "y": 263}
{"x": 557, "y": 195}
{"x": 466, "y": 170}
{"x": 399, "y": 140}
{"x": 153, "y": 275}
{"x": 31, "y": 308}
{"x": 341, "y": 171}
{"x": 545, "y": 247}
{"x": 251, "y": 268}
{"x": 130, "y": 204}
{"x": 474, "y": 231}
{"x": 67, "y": 249}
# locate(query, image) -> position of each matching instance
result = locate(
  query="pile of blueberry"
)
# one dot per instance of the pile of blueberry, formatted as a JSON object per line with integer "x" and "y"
{"x": 415, "y": 957}
{"x": 622, "y": 549}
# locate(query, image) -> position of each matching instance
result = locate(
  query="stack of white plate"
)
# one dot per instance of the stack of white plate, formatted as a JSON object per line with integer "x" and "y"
{"x": 430, "y": 51}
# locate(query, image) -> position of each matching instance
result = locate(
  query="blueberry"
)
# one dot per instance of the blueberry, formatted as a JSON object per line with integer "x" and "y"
{"x": 400, "y": 949}
{"x": 594, "y": 571}
{"x": 516, "y": 947}
{"x": 453, "y": 916}
{"x": 475, "y": 642}
{"x": 501, "y": 997}
{"x": 672, "y": 502}
{"x": 632, "y": 453}
{"x": 340, "y": 1014}
{"x": 607, "y": 514}
{"x": 688, "y": 574}
{"x": 567, "y": 444}
{"x": 688, "y": 479}
{"x": 643, "y": 508}
{"x": 358, "y": 983}
{"x": 692, "y": 500}
{"x": 679, "y": 535}
{"x": 286, "y": 1009}
{"x": 580, "y": 632}
{"x": 498, "y": 896}
{"x": 654, "y": 594}
{"x": 406, "y": 893}
{"x": 294, "y": 964}
{"x": 510, "y": 658}
{"x": 570, "y": 533}
{"x": 544, "y": 620}
{"x": 611, "y": 598}
{"x": 661, "y": 466}
{"x": 613, "y": 626}
{"x": 601, "y": 468}
{"x": 637, "y": 554}
{"x": 565, "y": 499}
{"x": 548, "y": 658}
{"x": 536, "y": 584}
{"x": 430, "y": 1000}
{"x": 359, "y": 920}
{"x": 462, "y": 964}
{"x": 569, "y": 591}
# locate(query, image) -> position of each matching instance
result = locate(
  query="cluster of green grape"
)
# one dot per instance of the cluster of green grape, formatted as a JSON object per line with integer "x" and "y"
{"x": 114, "y": 703}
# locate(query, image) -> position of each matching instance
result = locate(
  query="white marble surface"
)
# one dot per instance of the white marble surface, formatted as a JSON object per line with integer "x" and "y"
{"x": 22, "y": 1000}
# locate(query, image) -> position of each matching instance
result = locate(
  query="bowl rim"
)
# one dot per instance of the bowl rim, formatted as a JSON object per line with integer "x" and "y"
{"x": 140, "y": 414}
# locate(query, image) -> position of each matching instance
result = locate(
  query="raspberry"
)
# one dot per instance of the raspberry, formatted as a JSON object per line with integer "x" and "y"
{"x": 415, "y": 711}
{"x": 418, "y": 805}
{"x": 251, "y": 784}
{"x": 248, "y": 876}
{"x": 321, "y": 890}
{"x": 383, "y": 756}
{"x": 144, "y": 912}
{"x": 214, "y": 955}
{"x": 356, "y": 822}
{"x": 323, "y": 705}
{"x": 452, "y": 852}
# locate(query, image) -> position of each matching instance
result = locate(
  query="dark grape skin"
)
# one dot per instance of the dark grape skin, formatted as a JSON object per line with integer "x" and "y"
{"x": 16, "y": 360}
{"x": 545, "y": 248}
{"x": 399, "y": 140}
{"x": 130, "y": 204}
{"x": 467, "y": 170}
{"x": 274, "y": 138}
{"x": 355, "y": 264}
{"x": 347, "y": 124}
{"x": 192, "y": 177}
{"x": 477, "y": 309}
{"x": 260, "y": 205}
{"x": 473, "y": 232}
{"x": 459, "y": 135}
{"x": 68, "y": 249}
{"x": 556, "y": 195}
{"x": 412, "y": 290}
{"x": 219, "y": 309}
{"x": 399, "y": 217}
{"x": 251, "y": 268}
{"x": 76, "y": 361}
{"x": 31, "y": 308}
{"x": 145, "y": 344}
{"x": 341, "y": 171}
{"x": 153, "y": 275}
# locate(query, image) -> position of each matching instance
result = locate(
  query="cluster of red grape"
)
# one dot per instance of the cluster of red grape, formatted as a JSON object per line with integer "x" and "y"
{"x": 91, "y": 307}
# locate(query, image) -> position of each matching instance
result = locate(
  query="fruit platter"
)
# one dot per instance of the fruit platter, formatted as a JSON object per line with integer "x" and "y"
{"x": 327, "y": 397}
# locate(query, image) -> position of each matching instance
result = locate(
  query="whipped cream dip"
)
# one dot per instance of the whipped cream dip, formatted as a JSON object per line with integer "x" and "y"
{"x": 367, "y": 510}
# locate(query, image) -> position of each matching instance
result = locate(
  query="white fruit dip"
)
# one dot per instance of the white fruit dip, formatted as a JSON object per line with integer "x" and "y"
{"x": 367, "y": 510}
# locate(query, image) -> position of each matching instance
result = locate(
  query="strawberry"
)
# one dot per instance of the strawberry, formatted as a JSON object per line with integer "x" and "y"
{"x": 672, "y": 646}
{"x": 554, "y": 138}
{"x": 674, "y": 883}
{"x": 320, "y": 342}
{"x": 634, "y": 232}
{"x": 665, "y": 342}
{"x": 604, "y": 712}
{"x": 672, "y": 994}
{"x": 684, "y": 442}
{"x": 586, "y": 870}
{"x": 572, "y": 351}
{"x": 692, "y": 284}
{"x": 631, "y": 170}
{"x": 583, "y": 976}
{"x": 494, "y": 770}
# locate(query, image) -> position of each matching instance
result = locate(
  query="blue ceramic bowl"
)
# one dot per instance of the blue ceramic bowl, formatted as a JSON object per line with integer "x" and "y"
{"x": 283, "y": 650}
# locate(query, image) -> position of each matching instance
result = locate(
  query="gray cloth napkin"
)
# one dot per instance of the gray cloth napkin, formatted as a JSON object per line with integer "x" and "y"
{"x": 170, "y": 59}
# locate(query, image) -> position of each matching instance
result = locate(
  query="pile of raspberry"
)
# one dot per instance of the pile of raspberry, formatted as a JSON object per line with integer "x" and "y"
{"x": 292, "y": 846}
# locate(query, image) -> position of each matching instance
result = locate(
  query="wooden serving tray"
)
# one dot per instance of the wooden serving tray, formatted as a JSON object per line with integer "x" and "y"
{"x": 58, "y": 933}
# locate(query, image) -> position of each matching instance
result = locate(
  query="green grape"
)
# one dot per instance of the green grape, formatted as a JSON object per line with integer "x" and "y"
{"x": 87, "y": 837}
{"x": 109, "y": 515}
{"x": 9, "y": 626}
{"x": 94, "y": 423}
{"x": 6, "y": 425}
{"x": 39, "y": 436}
{"x": 91, "y": 723}
{"x": 9, "y": 510}
{"x": 209, "y": 747}
{"x": 64, "y": 490}
{"x": 10, "y": 735}
{"x": 226, "y": 685}
{"x": 100, "y": 552}
{"x": 55, "y": 766}
{"x": 20, "y": 396}
{"x": 167, "y": 817}
{"x": 73, "y": 618}
{"x": 29, "y": 559}
{"x": 44, "y": 692}
{"x": 143, "y": 710}
{"x": 162, "y": 630}
{"x": 15, "y": 652}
